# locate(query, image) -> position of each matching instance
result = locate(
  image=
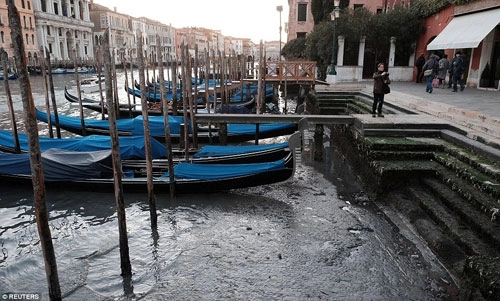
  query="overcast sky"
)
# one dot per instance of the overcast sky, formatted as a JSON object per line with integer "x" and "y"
{"x": 254, "y": 19}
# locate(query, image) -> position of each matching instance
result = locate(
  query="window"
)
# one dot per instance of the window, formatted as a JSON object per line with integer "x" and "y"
{"x": 80, "y": 9}
{"x": 27, "y": 40}
{"x": 48, "y": 30}
{"x": 22, "y": 4}
{"x": 301, "y": 35}
{"x": 56, "y": 8}
{"x": 24, "y": 21}
{"x": 2, "y": 36}
{"x": 64, "y": 9}
{"x": 302, "y": 12}
{"x": 356, "y": 6}
{"x": 29, "y": 5}
{"x": 31, "y": 23}
{"x": 60, "y": 32}
{"x": 33, "y": 39}
{"x": 44, "y": 5}
{"x": 50, "y": 48}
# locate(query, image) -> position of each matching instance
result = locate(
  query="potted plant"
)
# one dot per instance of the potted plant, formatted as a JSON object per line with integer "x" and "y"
{"x": 484, "y": 80}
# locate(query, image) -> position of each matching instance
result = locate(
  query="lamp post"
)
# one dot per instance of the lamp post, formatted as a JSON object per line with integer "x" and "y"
{"x": 280, "y": 9}
{"x": 334, "y": 15}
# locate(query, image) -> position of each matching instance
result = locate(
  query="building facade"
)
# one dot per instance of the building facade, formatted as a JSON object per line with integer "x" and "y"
{"x": 300, "y": 19}
{"x": 64, "y": 29}
{"x": 474, "y": 30}
{"x": 27, "y": 18}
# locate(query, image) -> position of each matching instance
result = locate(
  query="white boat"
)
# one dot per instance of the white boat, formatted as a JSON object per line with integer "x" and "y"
{"x": 91, "y": 84}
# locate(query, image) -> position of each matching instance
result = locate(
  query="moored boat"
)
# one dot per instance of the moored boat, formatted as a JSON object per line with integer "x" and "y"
{"x": 134, "y": 127}
{"x": 92, "y": 171}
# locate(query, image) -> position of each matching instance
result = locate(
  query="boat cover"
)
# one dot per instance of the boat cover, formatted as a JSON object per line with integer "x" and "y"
{"x": 192, "y": 171}
{"x": 130, "y": 147}
{"x": 219, "y": 150}
{"x": 156, "y": 125}
{"x": 132, "y": 125}
{"x": 249, "y": 129}
{"x": 61, "y": 165}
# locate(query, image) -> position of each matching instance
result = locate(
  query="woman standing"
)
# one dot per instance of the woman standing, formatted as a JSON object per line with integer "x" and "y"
{"x": 380, "y": 80}
{"x": 444, "y": 65}
{"x": 432, "y": 66}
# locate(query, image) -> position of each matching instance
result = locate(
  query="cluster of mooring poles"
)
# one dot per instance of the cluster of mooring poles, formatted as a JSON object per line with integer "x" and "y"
{"x": 226, "y": 69}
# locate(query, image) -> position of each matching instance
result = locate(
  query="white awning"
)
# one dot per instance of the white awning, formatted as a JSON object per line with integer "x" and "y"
{"x": 466, "y": 31}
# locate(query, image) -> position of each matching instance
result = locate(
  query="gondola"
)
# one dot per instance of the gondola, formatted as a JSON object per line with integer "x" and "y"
{"x": 125, "y": 110}
{"x": 133, "y": 154}
{"x": 92, "y": 171}
{"x": 236, "y": 133}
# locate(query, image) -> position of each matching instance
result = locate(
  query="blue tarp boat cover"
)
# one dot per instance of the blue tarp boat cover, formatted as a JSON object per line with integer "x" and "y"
{"x": 218, "y": 150}
{"x": 249, "y": 129}
{"x": 61, "y": 165}
{"x": 156, "y": 125}
{"x": 190, "y": 171}
{"x": 132, "y": 125}
{"x": 130, "y": 147}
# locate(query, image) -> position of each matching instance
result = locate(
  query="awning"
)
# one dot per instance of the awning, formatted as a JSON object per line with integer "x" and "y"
{"x": 466, "y": 31}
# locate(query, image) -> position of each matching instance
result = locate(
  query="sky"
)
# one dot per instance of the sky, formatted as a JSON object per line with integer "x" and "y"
{"x": 254, "y": 19}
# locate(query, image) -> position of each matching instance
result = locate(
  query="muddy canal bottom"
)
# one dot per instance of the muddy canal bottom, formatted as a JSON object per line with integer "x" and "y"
{"x": 316, "y": 236}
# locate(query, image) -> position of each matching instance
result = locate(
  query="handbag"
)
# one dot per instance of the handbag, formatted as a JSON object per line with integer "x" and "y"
{"x": 428, "y": 72}
{"x": 387, "y": 89}
{"x": 435, "y": 82}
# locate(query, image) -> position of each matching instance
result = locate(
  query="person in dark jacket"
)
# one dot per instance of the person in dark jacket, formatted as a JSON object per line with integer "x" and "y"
{"x": 380, "y": 78}
{"x": 419, "y": 64}
{"x": 433, "y": 65}
{"x": 456, "y": 71}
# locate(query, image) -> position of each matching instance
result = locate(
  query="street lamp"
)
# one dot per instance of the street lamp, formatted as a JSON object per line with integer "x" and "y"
{"x": 334, "y": 15}
{"x": 280, "y": 9}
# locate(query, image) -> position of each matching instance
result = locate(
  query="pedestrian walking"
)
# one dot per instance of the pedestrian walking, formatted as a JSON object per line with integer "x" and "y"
{"x": 381, "y": 83}
{"x": 431, "y": 68}
{"x": 456, "y": 71}
{"x": 444, "y": 65}
{"x": 420, "y": 64}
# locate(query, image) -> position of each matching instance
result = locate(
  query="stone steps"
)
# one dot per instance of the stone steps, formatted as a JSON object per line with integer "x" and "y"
{"x": 459, "y": 231}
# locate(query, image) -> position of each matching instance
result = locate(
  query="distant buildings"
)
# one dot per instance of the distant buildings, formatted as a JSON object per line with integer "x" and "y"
{"x": 29, "y": 32}
{"x": 64, "y": 28}
{"x": 72, "y": 29}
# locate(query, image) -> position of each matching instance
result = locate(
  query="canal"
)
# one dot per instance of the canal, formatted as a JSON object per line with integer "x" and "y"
{"x": 316, "y": 236}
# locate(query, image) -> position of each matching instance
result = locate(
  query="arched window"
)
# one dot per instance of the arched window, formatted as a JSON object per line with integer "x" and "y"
{"x": 27, "y": 40}
{"x": 22, "y": 4}
{"x": 2, "y": 36}
{"x": 24, "y": 21}
{"x": 33, "y": 39}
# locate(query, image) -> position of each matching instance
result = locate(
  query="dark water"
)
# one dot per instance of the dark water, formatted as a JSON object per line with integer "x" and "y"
{"x": 316, "y": 236}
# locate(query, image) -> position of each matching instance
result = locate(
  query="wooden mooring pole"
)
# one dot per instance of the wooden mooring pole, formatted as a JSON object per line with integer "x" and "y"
{"x": 47, "y": 99}
{"x": 4, "y": 57}
{"x": 38, "y": 179}
{"x": 126, "y": 267}
{"x": 79, "y": 94}
{"x": 52, "y": 96}
{"x": 168, "y": 140}
{"x": 147, "y": 135}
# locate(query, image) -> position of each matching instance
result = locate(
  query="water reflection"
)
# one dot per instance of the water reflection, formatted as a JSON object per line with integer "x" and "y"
{"x": 85, "y": 235}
